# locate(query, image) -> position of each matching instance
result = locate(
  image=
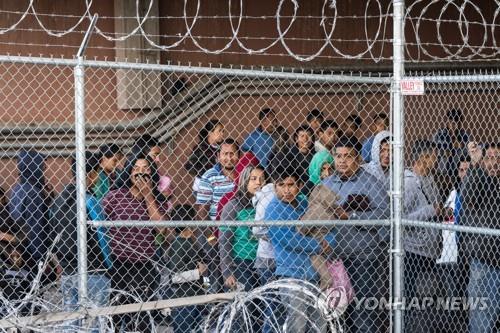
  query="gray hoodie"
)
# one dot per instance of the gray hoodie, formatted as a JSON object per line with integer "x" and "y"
{"x": 374, "y": 168}
{"x": 420, "y": 195}
{"x": 355, "y": 241}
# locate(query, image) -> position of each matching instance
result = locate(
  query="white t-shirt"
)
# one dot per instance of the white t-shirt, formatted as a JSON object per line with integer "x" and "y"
{"x": 260, "y": 201}
{"x": 450, "y": 247}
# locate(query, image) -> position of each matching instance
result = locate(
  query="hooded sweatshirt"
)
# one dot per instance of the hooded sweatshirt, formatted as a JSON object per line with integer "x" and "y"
{"x": 317, "y": 162}
{"x": 64, "y": 221}
{"x": 420, "y": 194}
{"x": 373, "y": 167}
{"x": 28, "y": 203}
{"x": 356, "y": 241}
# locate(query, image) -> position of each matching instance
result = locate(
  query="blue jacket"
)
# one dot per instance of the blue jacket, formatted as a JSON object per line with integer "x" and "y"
{"x": 260, "y": 144}
{"x": 358, "y": 241}
{"x": 292, "y": 249}
{"x": 28, "y": 204}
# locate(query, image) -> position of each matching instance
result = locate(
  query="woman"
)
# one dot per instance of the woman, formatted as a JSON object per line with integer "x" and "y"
{"x": 238, "y": 246}
{"x": 133, "y": 248}
{"x": 320, "y": 167}
{"x": 204, "y": 156}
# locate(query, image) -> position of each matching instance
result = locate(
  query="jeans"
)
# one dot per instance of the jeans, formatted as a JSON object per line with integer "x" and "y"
{"x": 484, "y": 282}
{"x": 266, "y": 275}
{"x": 300, "y": 316}
{"x": 187, "y": 318}
{"x": 245, "y": 273}
{"x": 369, "y": 279}
{"x": 98, "y": 290}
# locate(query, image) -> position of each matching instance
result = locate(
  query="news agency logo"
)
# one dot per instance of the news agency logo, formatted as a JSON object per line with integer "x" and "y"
{"x": 332, "y": 302}
{"x": 424, "y": 303}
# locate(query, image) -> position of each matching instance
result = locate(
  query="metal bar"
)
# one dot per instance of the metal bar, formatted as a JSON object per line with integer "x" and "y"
{"x": 457, "y": 78}
{"x": 201, "y": 70}
{"x": 452, "y": 227}
{"x": 154, "y": 224}
{"x": 79, "y": 73}
{"x": 48, "y": 318}
{"x": 81, "y": 187}
{"x": 397, "y": 163}
{"x": 86, "y": 38}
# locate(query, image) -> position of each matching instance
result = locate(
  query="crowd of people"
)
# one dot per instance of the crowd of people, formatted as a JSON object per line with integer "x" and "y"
{"x": 321, "y": 172}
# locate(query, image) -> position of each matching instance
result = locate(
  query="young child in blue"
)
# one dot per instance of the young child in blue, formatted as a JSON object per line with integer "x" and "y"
{"x": 293, "y": 250}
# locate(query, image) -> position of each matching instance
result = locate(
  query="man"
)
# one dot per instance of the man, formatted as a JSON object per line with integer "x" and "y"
{"x": 481, "y": 208}
{"x": 214, "y": 184}
{"x": 453, "y": 263}
{"x": 29, "y": 203}
{"x": 64, "y": 221}
{"x": 380, "y": 164}
{"x": 380, "y": 123}
{"x": 315, "y": 119}
{"x": 109, "y": 157}
{"x": 363, "y": 249}
{"x": 422, "y": 245}
{"x": 451, "y": 143}
{"x": 298, "y": 156}
{"x": 351, "y": 125}
{"x": 260, "y": 142}
{"x": 327, "y": 136}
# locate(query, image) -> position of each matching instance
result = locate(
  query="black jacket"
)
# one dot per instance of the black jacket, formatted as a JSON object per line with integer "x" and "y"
{"x": 481, "y": 208}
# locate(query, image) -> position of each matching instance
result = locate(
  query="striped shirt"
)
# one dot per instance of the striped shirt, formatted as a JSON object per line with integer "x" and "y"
{"x": 129, "y": 244}
{"x": 213, "y": 186}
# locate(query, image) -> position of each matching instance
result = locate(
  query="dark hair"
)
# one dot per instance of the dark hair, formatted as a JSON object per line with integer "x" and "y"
{"x": 491, "y": 145}
{"x": 283, "y": 171}
{"x": 382, "y": 116}
{"x": 230, "y": 141}
{"x": 144, "y": 144}
{"x": 126, "y": 175}
{"x": 302, "y": 128}
{"x": 329, "y": 123}
{"x": 420, "y": 147}
{"x": 182, "y": 213}
{"x": 349, "y": 142}
{"x": 91, "y": 163}
{"x": 465, "y": 158}
{"x": 108, "y": 150}
{"x": 209, "y": 127}
{"x": 455, "y": 115}
{"x": 265, "y": 112}
{"x": 357, "y": 120}
{"x": 315, "y": 114}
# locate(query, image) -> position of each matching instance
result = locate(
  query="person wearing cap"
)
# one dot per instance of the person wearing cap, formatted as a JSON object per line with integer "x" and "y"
{"x": 108, "y": 161}
{"x": 364, "y": 249}
{"x": 451, "y": 143}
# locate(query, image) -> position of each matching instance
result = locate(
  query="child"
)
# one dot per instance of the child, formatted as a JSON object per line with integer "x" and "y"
{"x": 293, "y": 250}
{"x": 322, "y": 207}
{"x": 187, "y": 267}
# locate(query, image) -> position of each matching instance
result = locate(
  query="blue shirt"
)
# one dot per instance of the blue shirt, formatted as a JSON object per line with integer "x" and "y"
{"x": 260, "y": 144}
{"x": 96, "y": 213}
{"x": 292, "y": 249}
{"x": 366, "y": 150}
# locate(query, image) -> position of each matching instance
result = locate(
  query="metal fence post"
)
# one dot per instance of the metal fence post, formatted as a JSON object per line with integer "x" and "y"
{"x": 397, "y": 163}
{"x": 79, "y": 74}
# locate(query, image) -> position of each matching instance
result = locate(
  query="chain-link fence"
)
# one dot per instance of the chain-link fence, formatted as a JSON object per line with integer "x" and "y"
{"x": 241, "y": 200}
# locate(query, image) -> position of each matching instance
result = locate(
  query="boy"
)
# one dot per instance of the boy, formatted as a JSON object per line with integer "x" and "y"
{"x": 293, "y": 250}
{"x": 185, "y": 262}
{"x": 327, "y": 136}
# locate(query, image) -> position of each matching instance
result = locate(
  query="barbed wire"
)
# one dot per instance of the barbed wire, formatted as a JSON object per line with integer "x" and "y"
{"x": 418, "y": 15}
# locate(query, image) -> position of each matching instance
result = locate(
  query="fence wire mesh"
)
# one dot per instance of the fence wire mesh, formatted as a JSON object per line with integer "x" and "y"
{"x": 244, "y": 201}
